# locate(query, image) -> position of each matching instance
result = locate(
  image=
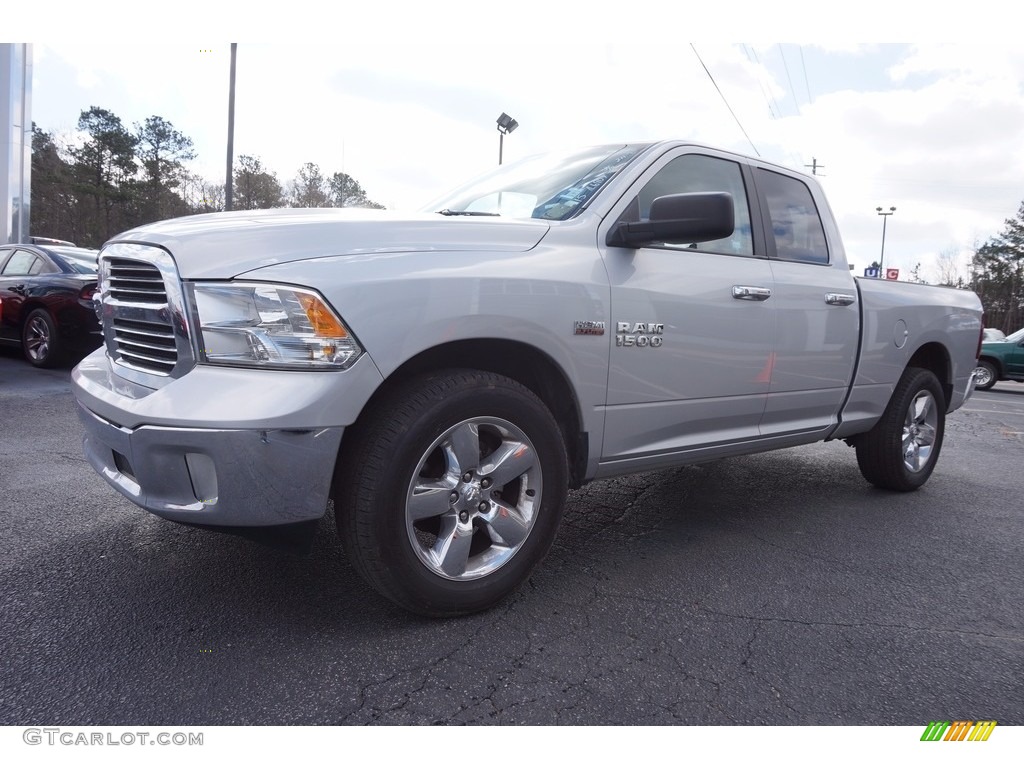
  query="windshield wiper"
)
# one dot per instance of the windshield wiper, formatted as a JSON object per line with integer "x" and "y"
{"x": 450, "y": 212}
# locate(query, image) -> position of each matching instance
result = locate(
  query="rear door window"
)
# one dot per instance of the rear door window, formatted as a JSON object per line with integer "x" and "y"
{"x": 21, "y": 263}
{"x": 795, "y": 223}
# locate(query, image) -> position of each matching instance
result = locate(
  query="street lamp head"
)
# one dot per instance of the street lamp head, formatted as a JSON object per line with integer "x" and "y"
{"x": 885, "y": 213}
{"x": 506, "y": 124}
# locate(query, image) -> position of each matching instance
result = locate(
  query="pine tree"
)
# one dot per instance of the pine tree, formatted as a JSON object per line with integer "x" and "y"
{"x": 162, "y": 152}
{"x": 255, "y": 187}
{"x": 102, "y": 166}
{"x": 998, "y": 278}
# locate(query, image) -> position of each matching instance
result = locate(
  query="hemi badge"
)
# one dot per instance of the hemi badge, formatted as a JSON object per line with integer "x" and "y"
{"x": 589, "y": 328}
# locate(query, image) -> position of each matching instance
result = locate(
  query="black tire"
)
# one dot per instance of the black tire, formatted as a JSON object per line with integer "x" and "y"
{"x": 449, "y": 453}
{"x": 900, "y": 451}
{"x": 985, "y": 375}
{"x": 40, "y": 340}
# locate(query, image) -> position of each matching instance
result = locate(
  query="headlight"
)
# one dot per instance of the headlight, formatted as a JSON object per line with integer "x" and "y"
{"x": 269, "y": 326}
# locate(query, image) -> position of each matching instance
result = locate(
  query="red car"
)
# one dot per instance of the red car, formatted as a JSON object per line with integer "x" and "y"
{"x": 46, "y": 303}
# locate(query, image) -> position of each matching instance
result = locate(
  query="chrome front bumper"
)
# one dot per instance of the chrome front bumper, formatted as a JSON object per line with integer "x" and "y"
{"x": 221, "y": 446}
{"x": 229, "y": 477}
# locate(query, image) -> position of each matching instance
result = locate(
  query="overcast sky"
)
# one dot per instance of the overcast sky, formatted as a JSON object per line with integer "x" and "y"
{"x": 404, "y": 98}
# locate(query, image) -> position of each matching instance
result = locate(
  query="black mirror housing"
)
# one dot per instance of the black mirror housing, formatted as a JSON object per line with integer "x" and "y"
{"x": 691, "y": 217}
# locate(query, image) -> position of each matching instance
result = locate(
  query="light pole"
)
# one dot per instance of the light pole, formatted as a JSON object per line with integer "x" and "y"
{"x": 230, "y": 177}
{"x": 505, "y": 125}
{"x": 885, "y": 217}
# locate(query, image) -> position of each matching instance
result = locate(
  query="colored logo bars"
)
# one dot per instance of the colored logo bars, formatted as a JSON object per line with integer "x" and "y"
{"x": 959, "y": 730}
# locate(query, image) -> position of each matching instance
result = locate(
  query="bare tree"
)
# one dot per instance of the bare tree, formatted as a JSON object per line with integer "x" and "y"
{"x": 309, "y": 189}
{"x": 949, "y": 263}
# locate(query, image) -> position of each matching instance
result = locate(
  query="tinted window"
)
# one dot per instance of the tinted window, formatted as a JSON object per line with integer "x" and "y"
{"x": 699, "y": 173}
{"x": 75, "y": 253}
{"x": 71, "y": 261}
{"x": 22, "y": 263}
{"x": 795, "y": 223}
{"x": 43, "y": 266}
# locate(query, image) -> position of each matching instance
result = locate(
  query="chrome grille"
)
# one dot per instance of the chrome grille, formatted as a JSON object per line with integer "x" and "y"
{"x": 136, "y": 281}
{"x": 145, "y": 345}
{"x": 145, "y": 323}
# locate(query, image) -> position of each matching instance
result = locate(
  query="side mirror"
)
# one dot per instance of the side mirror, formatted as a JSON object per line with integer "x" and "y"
{"x": 692, "y": 217}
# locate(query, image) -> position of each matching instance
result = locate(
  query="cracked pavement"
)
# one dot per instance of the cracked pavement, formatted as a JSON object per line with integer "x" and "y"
{"x": 770, "y": 589}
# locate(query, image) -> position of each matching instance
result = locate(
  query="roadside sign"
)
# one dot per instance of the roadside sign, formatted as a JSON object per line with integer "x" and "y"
{"x": 871, "y": 272}
{"x": 892, "y": 274}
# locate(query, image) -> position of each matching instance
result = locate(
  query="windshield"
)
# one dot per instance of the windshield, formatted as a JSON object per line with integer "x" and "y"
{"x": 550, "y": 186}
{"x": 1015, "y": 336}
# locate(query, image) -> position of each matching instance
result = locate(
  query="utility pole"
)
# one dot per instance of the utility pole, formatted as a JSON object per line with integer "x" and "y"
{"x": 814, "y": 166}
{"x": 228, "y": 186}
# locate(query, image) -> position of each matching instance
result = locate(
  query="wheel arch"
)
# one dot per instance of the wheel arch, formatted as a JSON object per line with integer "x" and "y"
{"x": 28, "y": 307}
{"x": 995, "y": 362}
{"x": 891, "y": 455}
{"x": 519, "y": 361}
{"x": 934, "y": 357}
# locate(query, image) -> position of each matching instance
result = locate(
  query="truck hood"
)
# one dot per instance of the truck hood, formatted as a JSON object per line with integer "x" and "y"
{"x": 224, "y": 245}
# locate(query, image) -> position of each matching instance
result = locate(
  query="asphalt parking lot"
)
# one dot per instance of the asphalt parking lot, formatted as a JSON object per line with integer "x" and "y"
{"x": 772, "y": 589}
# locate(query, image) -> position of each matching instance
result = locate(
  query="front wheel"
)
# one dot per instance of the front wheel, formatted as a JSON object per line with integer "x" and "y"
{"x": 450, "y": 489}
{"x": 985, "y": 375}
{"x": 900, "y": 451}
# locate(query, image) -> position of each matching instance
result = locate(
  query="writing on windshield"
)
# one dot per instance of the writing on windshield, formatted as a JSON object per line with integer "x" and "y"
{"x": 553, "y": 186}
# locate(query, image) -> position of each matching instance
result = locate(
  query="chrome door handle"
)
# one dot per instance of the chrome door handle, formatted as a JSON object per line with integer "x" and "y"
{"x": 839, "y": 299}
{"x": 751, "y": 293}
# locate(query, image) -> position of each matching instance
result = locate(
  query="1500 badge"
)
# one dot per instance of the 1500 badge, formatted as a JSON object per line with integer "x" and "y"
{"x": 639, "y": 334}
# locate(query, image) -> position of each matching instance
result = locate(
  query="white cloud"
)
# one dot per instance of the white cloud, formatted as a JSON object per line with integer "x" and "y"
{"x": 931, "y": 128}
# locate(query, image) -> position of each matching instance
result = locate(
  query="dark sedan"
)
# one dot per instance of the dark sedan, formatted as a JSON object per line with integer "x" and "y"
{"x": 46, "y": 304}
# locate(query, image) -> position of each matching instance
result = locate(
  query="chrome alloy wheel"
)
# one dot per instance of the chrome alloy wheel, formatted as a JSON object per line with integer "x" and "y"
{"x": 919, "y": 430}
{"x": 473, "y": 498}
{"x": 982, "y": 375}
{"x": 37, "y": 339}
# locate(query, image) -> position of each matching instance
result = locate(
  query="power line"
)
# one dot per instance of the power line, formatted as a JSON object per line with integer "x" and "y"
{"x": 760, "y": 82}
{"x": 778, "y": 110}
{"x": 761, "y": 70}
{"x": 724, "y": 99}
{"x": 789, "y": 79}
{"x": 806, "y": 83}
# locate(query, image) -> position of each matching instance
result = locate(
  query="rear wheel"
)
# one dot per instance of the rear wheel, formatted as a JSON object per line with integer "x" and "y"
{"x": 985, "y": 375}
{"x": 900, "y": 451}
{"x": 450, "y": 491}
{"x": 40, "y": 340}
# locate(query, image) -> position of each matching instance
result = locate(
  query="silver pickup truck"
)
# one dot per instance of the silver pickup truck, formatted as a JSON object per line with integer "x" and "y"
{"x": 445, "y": 377}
